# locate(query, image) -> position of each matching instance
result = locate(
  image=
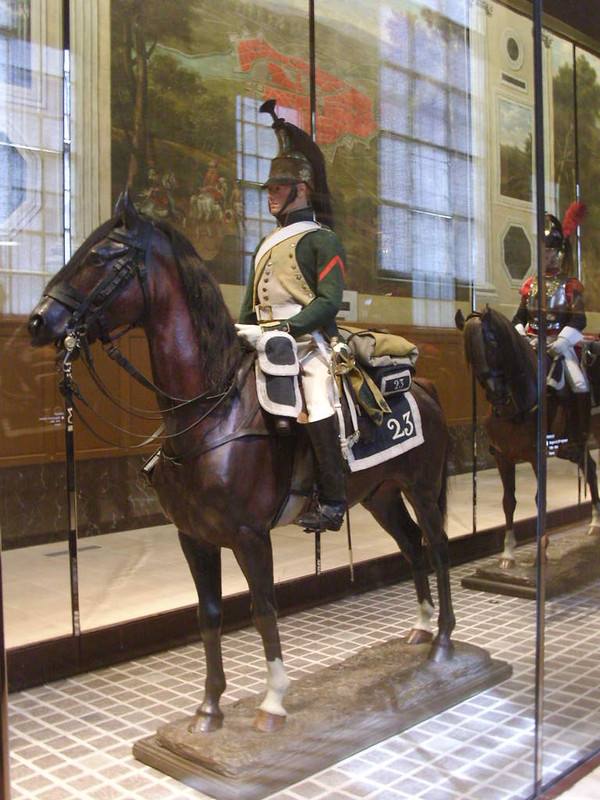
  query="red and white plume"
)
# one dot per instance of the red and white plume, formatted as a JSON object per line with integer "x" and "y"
{"x": 574, "y": 216}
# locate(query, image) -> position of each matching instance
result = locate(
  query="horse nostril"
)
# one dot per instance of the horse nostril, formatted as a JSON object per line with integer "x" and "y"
{"x": 36, "y": 323}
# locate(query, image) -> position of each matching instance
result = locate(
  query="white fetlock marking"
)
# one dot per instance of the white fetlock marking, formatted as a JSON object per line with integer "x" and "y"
{"x": 424, "y": 616}
{"x": 595, "y": 521}
{"x": 510, "y": 543}
{"x": 277, "y": 685}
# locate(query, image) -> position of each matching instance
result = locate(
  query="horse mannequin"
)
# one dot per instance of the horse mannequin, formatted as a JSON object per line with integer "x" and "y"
{"x": 223, "y": 476}
{"x": 505, "y": 366}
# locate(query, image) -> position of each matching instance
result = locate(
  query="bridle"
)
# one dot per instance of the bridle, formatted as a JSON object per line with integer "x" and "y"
{"x": 503, "y": 405}
{"x": 130, "y": 256}
{"x": 129, "y": 252}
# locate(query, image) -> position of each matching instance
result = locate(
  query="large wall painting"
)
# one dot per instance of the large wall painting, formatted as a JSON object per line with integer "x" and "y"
{"x": 181, "y": 71}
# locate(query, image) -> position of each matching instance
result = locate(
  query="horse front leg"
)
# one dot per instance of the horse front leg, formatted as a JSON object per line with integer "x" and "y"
{"x": 254, "y": 554}
{"x": 506, "y": 469}
{"x": 204, "y": 561}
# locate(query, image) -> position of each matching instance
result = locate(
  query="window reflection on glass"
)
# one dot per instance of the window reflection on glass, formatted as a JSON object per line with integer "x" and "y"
{"x": 423, "y": 154}
{"x": 15, "y": 35}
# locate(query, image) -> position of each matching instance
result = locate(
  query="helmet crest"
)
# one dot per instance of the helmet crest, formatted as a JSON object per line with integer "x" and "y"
{"x": 299, "y": 161}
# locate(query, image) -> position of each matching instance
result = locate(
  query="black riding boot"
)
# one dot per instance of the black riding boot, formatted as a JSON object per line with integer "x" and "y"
{"x": 331, "y": 481}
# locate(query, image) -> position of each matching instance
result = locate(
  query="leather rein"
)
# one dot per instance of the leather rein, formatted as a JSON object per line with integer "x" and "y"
{"x": 130, "y": 256}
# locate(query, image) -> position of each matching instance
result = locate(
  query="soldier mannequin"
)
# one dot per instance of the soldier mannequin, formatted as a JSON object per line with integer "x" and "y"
{"x": 296, "y": 284}
{"x": 565, "y": 317}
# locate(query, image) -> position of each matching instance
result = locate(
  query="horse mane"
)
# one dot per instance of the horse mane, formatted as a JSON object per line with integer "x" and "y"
{"x": 218, "y": 345}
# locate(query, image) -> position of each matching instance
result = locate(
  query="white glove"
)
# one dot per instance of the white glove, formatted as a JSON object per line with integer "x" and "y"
{"x": 249, "y": 333}
{"x": 520, "y": 329}
{"x": 565, "y": 340}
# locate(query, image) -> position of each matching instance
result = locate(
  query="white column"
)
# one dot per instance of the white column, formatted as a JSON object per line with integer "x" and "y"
{"x": 480, "y": 11}
{"x": 90, "y": 117}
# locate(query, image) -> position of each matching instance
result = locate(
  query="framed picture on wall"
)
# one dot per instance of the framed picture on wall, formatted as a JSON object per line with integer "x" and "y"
{"x": 515, "y": 140}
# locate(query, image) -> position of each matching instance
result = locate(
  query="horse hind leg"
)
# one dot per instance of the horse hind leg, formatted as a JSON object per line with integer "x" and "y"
{"x": 255, "y": 557}
{"x": 592, "y": 481}
{"x": 389, "y": 509}
{"x": 205, "y": 565}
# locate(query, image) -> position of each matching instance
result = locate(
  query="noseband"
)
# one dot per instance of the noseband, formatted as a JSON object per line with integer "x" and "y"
{"x": 89, "y": 310}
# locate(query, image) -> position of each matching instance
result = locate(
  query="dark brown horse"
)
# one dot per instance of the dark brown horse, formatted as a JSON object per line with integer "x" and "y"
{"x": 505, "y": 365}
{"x": 223, "y": 477}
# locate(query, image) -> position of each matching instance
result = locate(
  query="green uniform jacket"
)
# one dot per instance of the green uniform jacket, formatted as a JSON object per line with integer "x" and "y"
{"x": 322, "y": 261}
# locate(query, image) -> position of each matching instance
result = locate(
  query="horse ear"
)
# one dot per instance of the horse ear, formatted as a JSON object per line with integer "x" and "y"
{"x": 459, "y": 320}
{"x": 125, "y": 209}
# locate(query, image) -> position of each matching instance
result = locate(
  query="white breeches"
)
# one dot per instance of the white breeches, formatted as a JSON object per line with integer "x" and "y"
{"x": 574, "y": 375}
{"x": 317, "y": 383}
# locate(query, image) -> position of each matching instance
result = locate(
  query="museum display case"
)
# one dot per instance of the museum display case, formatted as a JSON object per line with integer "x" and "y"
{"x": 427, "y": 113}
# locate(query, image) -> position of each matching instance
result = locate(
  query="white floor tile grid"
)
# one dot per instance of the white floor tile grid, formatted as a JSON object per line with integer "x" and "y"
{"x": 73, "y": 738}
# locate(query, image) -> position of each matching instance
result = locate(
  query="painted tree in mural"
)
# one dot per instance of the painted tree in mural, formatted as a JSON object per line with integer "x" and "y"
{"x": 137, "y": 25}
{"x": 588, "y": 148}
{"x": 588, "y": 117}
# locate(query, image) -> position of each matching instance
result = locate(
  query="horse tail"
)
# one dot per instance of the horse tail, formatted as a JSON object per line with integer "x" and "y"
{"x": 430, "y": 388}
{"x": 443, "y": 495}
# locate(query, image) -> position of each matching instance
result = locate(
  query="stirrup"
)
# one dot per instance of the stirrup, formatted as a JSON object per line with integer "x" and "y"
{"x": 325, "y": 517}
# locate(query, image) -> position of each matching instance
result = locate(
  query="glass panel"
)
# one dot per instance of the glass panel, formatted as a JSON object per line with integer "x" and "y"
{"x": 428, "y": 149}
{"x": 571, "y": 719}
{"x": 36, "y": 589}
{"x": 194, "y": 149}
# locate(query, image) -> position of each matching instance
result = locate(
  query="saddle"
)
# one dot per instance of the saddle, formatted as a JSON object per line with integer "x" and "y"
{"x": 374, "y": 384}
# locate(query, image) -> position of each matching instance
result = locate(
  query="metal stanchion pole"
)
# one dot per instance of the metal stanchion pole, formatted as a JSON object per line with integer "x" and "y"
{"x": 5, "y": 777}
{"x": 66, "y": 387}
{"x": 542, "y": 410}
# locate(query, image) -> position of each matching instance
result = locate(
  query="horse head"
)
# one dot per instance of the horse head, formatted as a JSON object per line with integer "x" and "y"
{"x": 92, "y": 294}
{"x": 502, "y": 362}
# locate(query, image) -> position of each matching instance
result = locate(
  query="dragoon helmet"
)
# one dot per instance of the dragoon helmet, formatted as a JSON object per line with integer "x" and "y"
{"x": 556, "y": 237}
{"x": 299, "y": 160}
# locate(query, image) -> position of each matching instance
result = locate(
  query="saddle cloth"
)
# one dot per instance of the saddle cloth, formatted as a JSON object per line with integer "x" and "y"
{"x": 400, "y": 431}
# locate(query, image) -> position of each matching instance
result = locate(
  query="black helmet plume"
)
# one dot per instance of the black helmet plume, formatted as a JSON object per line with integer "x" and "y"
{"x": 299, "y": 161}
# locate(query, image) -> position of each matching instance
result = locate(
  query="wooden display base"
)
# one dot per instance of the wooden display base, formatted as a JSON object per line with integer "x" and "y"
{"x": 573, "y": 560}
{"x": 332, "y": 714}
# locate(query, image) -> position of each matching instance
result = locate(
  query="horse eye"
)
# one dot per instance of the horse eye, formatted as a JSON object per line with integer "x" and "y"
{"x": 102, "y": 253}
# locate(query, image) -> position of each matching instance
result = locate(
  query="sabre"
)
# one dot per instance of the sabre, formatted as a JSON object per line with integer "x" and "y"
{"x": 342, "y": 361}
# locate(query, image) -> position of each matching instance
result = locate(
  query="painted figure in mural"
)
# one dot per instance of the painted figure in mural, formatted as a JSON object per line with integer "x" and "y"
{"x": 214, "y": 184}
{"x": 236, "y": 202}
{"x": 158, "y": 199}
{"x": 296, "y": 284}
{"x": 565, "y": 319}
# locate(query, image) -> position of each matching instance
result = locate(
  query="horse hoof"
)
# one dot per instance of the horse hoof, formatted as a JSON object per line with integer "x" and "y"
{"x": 206, "y": 723}
{"x": 440, "y": 653}
{"x": 594, "y": 530}
{"x": 507, "y": 563}
{"x": 419, "y": 636}
{"x": 268, "y": 723}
